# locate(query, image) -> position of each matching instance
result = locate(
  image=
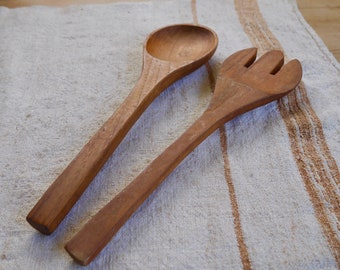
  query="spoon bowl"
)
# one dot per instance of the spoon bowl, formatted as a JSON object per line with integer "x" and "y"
{"x": 170, "y": 53}
{"x": 181, "y": 43}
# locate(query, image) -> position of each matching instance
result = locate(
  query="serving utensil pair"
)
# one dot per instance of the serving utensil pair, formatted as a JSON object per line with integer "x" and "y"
{"x": 169, "y": 54}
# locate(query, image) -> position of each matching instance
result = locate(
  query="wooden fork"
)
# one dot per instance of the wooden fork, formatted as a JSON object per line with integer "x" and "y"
{"x": 242, "y": 85}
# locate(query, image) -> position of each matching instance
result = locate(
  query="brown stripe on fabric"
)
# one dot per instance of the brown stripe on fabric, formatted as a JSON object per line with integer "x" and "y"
{"x": 232, "y": 194}
{"x": 331, "y": 163}
{"x": 223, "y": 141}
{"x": 207, "y": 65}
{"x": 234, "y": 205}
{"x": 211, "y": 76}
{"x": 318, "y": 205}
{"x": 318, "y": 173}
{"x": 316, "y": 165}
{"x": 194, "y": 11}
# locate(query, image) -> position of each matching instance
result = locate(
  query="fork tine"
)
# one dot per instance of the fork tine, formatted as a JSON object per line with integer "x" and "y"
{"x": 238, "y": 62}
{"x": 288, "y": 77}
{"x": 270, "y": 62}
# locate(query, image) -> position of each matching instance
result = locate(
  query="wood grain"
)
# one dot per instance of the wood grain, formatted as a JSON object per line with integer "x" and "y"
{"x": 170, "y": 53}
{"x": 241, "y": 85}
{"x": 322, "y": 15}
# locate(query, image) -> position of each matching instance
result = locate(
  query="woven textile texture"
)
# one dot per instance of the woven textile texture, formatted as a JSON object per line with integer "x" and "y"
{"x": 262, "y": 192}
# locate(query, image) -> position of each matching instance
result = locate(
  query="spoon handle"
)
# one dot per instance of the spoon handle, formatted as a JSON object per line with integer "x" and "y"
{"x": 60, "y": 197}
{"x": 94, "y": 236}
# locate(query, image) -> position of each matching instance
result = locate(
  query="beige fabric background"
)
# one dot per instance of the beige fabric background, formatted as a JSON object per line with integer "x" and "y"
{"x": 262, "y": 192}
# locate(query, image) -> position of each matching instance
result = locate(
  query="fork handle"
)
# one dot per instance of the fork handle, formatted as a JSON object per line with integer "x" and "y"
{"x": 94, "y": 236}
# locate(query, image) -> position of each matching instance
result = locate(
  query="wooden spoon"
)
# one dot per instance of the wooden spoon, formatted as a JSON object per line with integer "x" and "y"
{"x": 241, "y": 85}
{"x": 170, "y": 53}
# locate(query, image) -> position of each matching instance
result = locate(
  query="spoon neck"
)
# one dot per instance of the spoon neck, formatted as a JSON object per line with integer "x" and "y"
{"x": 153, "y": 79}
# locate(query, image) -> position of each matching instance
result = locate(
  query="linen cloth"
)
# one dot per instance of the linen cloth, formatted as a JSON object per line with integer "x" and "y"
{"x": 262, "y": 192}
